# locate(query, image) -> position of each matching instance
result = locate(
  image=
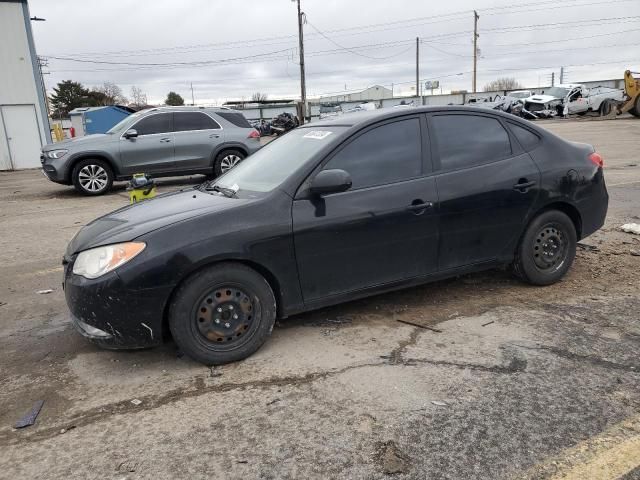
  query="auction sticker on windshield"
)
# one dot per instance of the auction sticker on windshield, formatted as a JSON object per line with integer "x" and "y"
{"x": 317, "y": 134}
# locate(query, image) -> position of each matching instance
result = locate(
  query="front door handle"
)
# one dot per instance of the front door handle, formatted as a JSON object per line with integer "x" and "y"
{"x": 523, "y": 185}
{"x": 418, "y": 206}
{"x": 214, "y": 135}
{"x": 165, "y": 140}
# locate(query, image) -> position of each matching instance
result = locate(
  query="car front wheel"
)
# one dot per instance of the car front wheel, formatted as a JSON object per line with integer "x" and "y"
{"x": 222, "y": 314}
{"x": 547, "y": 249}
{"x": 92, "y": 177}
{"x": 226, "y": 160}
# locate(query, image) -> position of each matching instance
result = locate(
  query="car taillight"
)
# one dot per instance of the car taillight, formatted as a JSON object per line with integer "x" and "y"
{"x": 597, "y": 159}
{"x": 254, "y": 134}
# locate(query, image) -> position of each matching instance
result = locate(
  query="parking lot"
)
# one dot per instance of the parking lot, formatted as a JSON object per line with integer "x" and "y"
{"x": 498, "y": 379}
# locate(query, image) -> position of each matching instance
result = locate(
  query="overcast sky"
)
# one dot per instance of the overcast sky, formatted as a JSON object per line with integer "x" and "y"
{"x": 230, "y": 49}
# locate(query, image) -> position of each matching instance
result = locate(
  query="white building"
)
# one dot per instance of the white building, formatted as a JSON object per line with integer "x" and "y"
{"x": 376, "y": 92}
{"x": 24, "y": 126}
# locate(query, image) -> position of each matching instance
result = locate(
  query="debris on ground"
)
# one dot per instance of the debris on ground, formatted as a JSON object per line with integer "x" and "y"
{"x": 65, "y": 430}
{"x": 273, "y": 401}
{"x": 488, "y": 323}
{"x": 590, "y": 248}
{"x": 30, "y": 417}
{"x": 419, "y": 325}
{"x": 392, "y": 460}
{"x": 439, "y": 403}
{"x": 635, "y": 253}
{"x": 136, "y": 402}
{"x": 2, "y": 304}
{"x": 631, "y": 228}
{"x": 45, "y": 291}
{"x": 215, "y": 372}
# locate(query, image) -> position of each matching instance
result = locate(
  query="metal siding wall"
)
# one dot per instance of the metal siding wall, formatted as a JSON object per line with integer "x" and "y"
{"x": 18, "y": 83}
{"x": 5, "y": 159}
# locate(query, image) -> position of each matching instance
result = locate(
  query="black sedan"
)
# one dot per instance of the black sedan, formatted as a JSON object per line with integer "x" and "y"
{"x": 335, "y": 210}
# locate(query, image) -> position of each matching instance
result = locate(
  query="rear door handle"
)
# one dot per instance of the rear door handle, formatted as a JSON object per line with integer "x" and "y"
{"x": 165, "y": 140}
{"x": 522, "y": 186}
{"x": 418, "y": 206}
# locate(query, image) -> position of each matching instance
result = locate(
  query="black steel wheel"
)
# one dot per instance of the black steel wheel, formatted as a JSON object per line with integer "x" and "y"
{"x": 222, "y": 314}
{"x": 225, "y": 316}
{"x": 547, "y": 248}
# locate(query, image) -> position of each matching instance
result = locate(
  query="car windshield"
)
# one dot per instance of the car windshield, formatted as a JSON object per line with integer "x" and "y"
{"x": 122, "y": 123}
{"x": 557, "y": 92}
{"x": 275, "y": 162}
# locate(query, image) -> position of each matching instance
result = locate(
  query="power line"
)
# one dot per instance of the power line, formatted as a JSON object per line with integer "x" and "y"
{"x": 371, "y": 28}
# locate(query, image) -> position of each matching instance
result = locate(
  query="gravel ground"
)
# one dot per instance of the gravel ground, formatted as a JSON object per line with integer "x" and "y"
{"x": 518, "y": 381}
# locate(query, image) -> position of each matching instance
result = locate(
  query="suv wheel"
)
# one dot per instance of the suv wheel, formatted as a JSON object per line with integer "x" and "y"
{"x": 92, "y": 177}
{"x": 226, "y": 160}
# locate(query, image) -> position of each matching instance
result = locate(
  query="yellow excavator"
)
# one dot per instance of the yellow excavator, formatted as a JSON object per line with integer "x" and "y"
{"x": 631, "y": 103}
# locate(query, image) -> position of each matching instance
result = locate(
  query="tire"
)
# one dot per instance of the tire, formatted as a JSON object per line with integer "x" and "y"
{"x": 222, "y": 314}
{"x": 635, "y": 110}
{"x": 547, "y": 249}
{"x": 92, "y": 177}
{"x": 605, "y": 108}
{"x": 226, "y": 160}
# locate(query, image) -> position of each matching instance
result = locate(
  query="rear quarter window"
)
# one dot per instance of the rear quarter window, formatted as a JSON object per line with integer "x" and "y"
{"x": 235, "y": 118}
{"x": 527, "y": 139}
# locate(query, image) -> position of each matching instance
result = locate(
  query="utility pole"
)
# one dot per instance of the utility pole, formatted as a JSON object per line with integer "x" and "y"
{"x": 561, "y": 75}
{"x": 303, "y": 87}
{"x": 475, "y": 48}
{"x": 417, "y": 66}
{"x": 193, "y": 102}
{"x": 553, "y": 78}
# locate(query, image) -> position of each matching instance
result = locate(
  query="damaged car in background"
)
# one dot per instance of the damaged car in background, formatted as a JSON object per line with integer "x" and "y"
{"x": 571, "y": 99}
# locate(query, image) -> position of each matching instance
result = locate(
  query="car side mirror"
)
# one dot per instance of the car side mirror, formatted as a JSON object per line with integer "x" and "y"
{"x": 131, "y": 133}
{"x": 330, "y": 181}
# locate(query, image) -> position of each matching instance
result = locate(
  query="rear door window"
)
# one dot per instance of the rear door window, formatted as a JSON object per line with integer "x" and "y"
{"x": 185, "y": 121}
{"x": 385, "y": 154}
{"x": 468, "y": 140}
{"x": 157, "y": 123}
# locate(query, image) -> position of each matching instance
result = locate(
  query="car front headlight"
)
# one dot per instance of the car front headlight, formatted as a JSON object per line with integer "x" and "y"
{"x": 55, "y": 154}
{"x": 95, "y": 262}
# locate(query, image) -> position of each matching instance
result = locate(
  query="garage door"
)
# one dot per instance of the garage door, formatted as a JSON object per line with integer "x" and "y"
{"x": 23, "y": 136}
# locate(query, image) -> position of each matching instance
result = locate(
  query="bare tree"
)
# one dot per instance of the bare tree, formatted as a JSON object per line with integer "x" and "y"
{"x": 502, "y": 84}
{"x": 258, "y": 97}
{"x": 109, "y": 94}
{"x": 138, "y": 97}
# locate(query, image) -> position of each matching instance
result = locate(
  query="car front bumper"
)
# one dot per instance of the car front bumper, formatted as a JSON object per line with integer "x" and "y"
{"x": 114, "y": 315}
{"x": 54, "y": 169}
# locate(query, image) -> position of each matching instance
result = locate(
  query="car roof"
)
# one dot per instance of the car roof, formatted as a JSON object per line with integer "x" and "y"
{"x": 189, "y": 108}
{"x": 365, "y": 117}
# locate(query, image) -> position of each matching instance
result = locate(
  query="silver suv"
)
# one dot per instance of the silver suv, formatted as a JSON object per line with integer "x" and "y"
{"x": 163, "y": 141}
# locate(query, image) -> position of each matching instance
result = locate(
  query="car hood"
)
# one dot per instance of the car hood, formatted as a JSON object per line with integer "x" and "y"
{"x": 132, "y": 221}
{"x": 72, "y": 142}
{"x": 542, "y": 99}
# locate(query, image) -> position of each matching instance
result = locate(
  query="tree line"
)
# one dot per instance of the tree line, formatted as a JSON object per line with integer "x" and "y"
{"x": 68, "y": 95}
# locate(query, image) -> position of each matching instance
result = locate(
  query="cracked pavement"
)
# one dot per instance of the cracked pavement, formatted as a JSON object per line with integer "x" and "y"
{"x": 519, "y": 382}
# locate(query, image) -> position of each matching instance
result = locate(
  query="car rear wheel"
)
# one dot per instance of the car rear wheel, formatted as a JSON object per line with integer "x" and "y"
{"x": 222, "y": 314}
{"x": 547, "y": 249}
{"x": 92, "y": 177}
{"x": 635, "y": 110}
{"x": 226, "y": 160}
